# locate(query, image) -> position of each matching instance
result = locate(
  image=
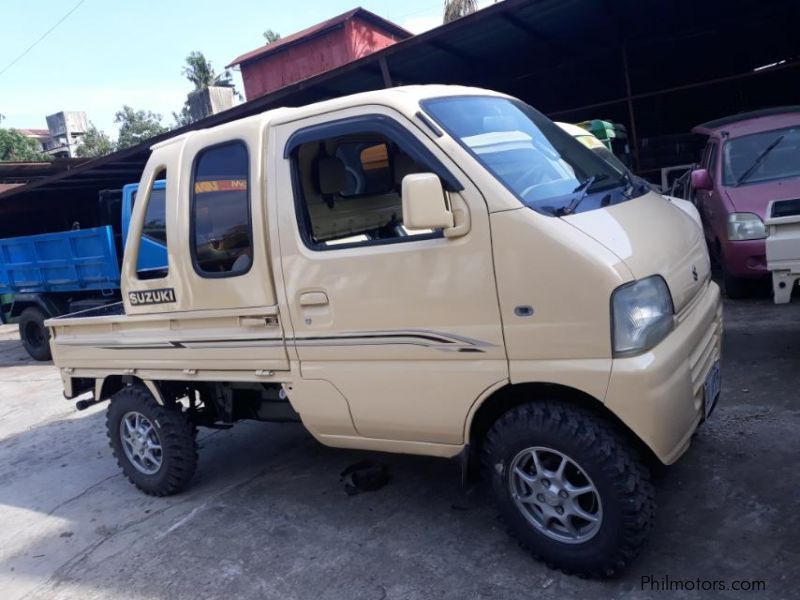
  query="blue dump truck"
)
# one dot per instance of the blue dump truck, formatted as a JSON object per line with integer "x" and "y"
{"x": 50, "y": 274}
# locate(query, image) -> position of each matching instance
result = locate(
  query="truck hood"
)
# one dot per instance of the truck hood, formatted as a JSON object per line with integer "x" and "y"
{"x": 756, "y": 197}
{"x": 652, "y": 236}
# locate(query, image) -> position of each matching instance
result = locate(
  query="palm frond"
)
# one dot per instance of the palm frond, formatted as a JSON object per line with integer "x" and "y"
{"x": 455, "y": 9}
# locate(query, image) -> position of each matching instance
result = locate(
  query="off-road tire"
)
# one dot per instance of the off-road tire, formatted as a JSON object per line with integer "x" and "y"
{"x": 622, "y": 481}
{"x": 34, "y": 334}
{"x": 175, "y": 432}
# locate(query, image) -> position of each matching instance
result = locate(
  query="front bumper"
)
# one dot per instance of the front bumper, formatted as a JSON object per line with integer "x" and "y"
{"x": 745, "y": 258}
{"x": 659, "y": 394}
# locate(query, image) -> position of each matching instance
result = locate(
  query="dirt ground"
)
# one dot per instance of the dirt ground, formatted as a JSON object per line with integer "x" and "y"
{"x": 266, "y": 516}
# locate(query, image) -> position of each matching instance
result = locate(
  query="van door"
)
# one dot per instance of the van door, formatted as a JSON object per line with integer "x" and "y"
{"x": 405, "y": 324}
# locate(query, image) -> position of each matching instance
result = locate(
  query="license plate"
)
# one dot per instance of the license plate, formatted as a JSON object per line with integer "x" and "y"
{"x": 711, "y": 388}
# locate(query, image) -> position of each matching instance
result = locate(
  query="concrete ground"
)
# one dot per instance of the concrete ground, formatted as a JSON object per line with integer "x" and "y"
{"x": 266, "y": 516}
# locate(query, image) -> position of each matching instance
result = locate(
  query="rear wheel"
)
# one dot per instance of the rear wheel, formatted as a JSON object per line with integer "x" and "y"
{"x": 33, "y": 333}
{"x": 154, "y": 445}
{"x": 570, "y": 488}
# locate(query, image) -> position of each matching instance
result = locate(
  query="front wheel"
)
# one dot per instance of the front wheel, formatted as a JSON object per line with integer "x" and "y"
{"x": 570, "y": 488}
{"x": 154, "y": 445}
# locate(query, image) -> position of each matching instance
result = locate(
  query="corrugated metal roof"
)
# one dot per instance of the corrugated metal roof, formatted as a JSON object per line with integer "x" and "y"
{"x": 562, "y": 56}
{"x": 320, "y": 28}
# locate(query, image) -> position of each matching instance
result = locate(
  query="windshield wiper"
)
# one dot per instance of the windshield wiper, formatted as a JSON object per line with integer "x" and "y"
{"x": 582, "y": 191}
{"x": 758, "y": 160}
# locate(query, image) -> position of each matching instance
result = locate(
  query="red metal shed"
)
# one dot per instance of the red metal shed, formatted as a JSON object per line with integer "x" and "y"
{"x": 322, "y": 47}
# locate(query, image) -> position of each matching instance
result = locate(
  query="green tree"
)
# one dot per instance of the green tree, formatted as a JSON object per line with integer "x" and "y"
{"x": 137, "y": 126}
{"x": 271, "y": 36}
{"x": 183, "y": 118}
{"x": 16, "y": 147}
{"x": 455, "y": 9}
{"x": 95, "y": 143}
{"x": 201, "y": 74}
{"x": 199, "y": 71}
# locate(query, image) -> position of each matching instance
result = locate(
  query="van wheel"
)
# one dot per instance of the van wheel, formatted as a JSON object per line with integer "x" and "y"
{"x": 34, "y": 334}
{"x": 570, "y": 488}
{"x": 154, "y": 445}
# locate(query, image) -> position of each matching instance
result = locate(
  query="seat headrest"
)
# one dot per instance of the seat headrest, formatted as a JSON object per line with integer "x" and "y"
{"x": 403, "y": 165}
{"x": 331, "y": 175}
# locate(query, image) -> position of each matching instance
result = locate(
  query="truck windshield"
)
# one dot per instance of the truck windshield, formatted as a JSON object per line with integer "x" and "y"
{"x": 764, "y": 156}
{"x": 546, "y": 168}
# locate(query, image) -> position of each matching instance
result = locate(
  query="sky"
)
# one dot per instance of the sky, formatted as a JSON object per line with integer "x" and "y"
{"x": 113, "y": 52}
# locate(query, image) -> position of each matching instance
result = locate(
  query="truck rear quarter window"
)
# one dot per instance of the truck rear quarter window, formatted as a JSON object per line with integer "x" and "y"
{"x": 221, "y": 224}
{"x": 152, "y": 260}
{"x": 155, "y": 219}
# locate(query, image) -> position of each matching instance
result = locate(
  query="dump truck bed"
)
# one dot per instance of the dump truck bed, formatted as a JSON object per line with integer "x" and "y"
{"x": 67, "y": 261}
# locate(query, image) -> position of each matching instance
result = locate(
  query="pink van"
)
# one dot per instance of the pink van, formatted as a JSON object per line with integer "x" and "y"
{"x": 750, "y": 159}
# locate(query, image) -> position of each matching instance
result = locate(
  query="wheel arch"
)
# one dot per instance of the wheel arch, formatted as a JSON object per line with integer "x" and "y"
{"x": 501, "y": 400}
{"x": 48, "y": 304}
{"x": 107, "y": 386}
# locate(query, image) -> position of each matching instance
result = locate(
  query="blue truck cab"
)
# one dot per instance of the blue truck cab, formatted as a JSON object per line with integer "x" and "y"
{"x": 52, "y": 274}
{"x": 153, "y": 247}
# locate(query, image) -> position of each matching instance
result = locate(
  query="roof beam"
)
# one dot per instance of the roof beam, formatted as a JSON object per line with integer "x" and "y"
{"x": 465, "y": 57}
{"x": 536, "y": 34}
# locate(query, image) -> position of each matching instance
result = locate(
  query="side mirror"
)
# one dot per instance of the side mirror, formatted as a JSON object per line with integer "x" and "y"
{"x": 425, "y": 205}
{"x": 701, "y": 180}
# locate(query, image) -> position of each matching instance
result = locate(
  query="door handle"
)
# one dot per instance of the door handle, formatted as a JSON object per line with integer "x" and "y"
{"x": 313, "y": 299}
{"x": 269, "y": 321}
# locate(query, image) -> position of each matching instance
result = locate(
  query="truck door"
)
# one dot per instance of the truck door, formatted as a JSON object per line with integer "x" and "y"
{"x": 213, "y": 306}
{"x": 405, "y": 324}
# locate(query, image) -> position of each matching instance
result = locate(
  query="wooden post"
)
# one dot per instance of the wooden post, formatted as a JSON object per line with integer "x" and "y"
{"x": 387, "y": 76}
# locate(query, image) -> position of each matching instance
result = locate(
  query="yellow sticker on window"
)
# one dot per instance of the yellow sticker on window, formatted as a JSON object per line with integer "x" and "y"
{"x": 220, "y": 185}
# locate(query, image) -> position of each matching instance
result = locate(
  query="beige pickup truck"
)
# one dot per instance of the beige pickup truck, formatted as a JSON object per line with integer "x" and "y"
{"x": 430, "y": 270}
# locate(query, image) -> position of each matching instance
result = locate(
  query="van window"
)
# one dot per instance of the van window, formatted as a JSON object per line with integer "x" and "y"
{"x": 348, "y": 191}
{"x": 152, "y": 260}
{"x": 221, "y": 228}
{"x": 367, "y": 169}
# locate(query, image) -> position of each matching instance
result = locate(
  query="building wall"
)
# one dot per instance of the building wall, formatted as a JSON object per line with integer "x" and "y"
{"x": 354, "y": 39}
{"x": 365, "y": 39}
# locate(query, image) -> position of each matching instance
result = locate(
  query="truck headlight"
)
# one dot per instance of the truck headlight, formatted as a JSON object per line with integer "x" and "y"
{"x": 642, "y": 315}
{"x": 745, "y": 226}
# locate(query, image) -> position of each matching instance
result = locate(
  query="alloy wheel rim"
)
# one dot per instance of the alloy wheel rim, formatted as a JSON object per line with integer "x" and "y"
{"x": 141, "y": 443}
{"x": 555, "y": 495}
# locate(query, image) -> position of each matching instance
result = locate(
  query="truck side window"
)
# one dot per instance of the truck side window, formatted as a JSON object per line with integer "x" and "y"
{"x": 221, "y": 229}
{"x": 155, "y": 219}
{"x": 348, "y": 191}
{"x": 151, "y": 263}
